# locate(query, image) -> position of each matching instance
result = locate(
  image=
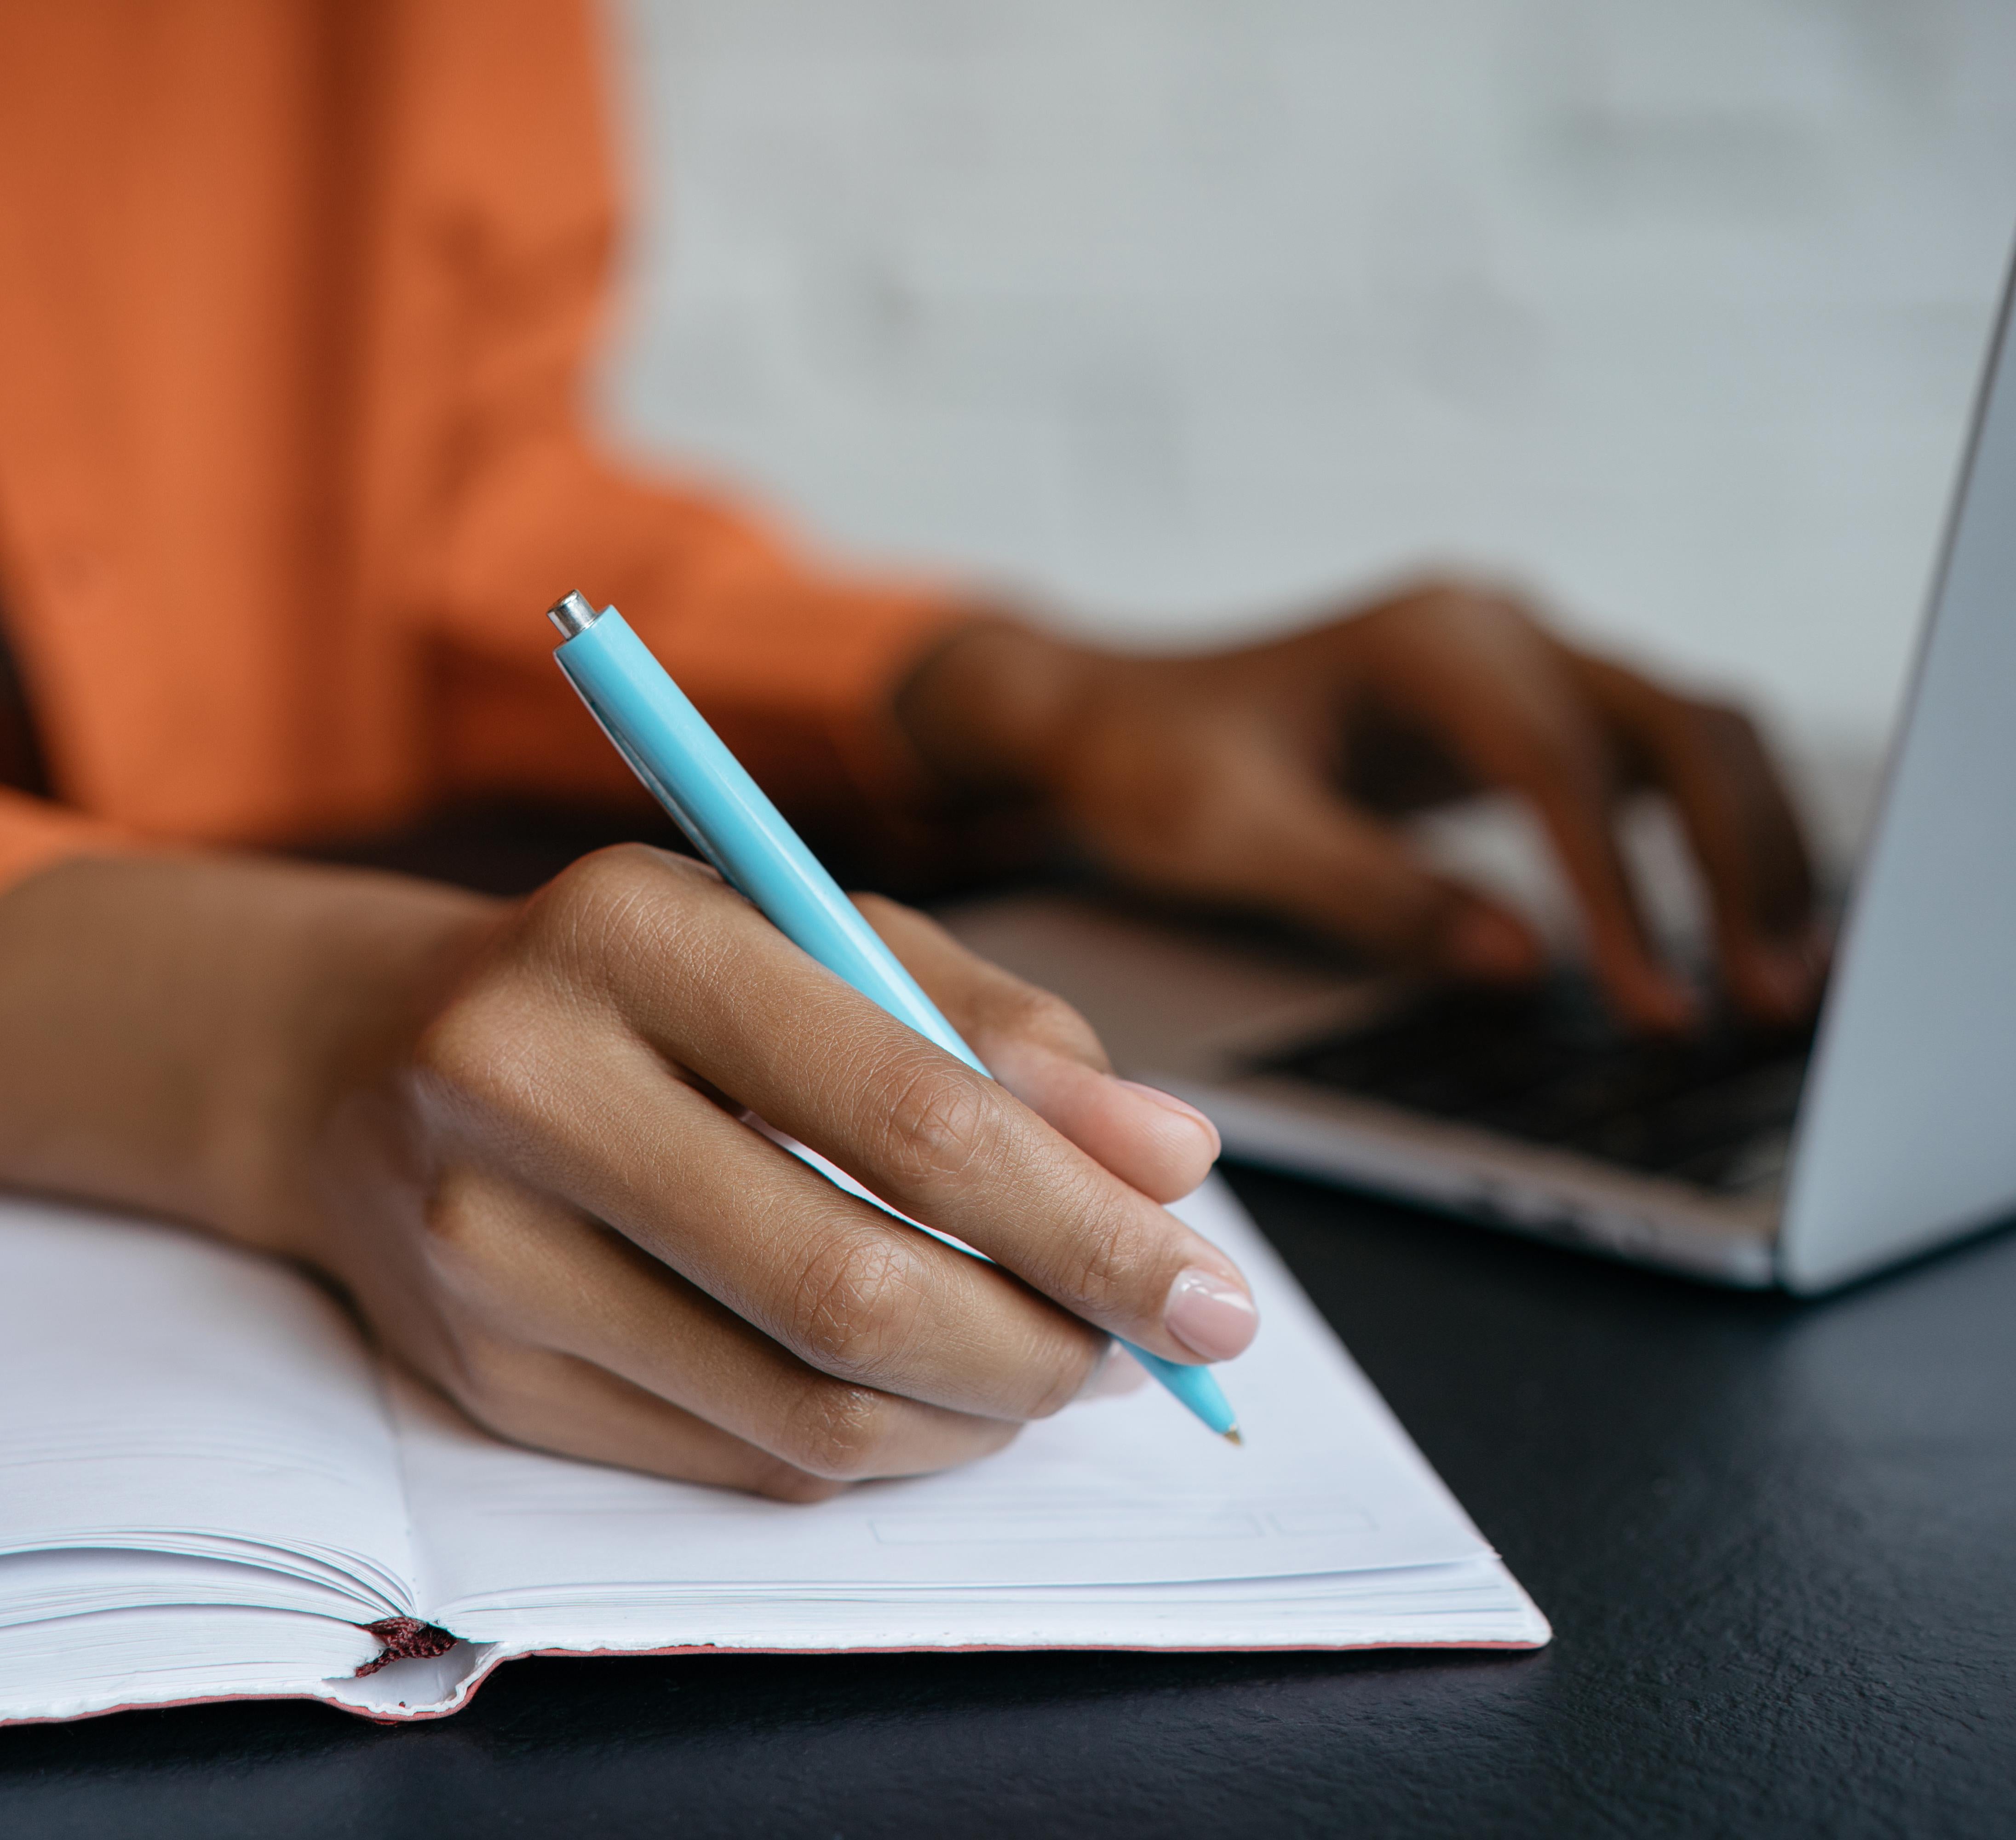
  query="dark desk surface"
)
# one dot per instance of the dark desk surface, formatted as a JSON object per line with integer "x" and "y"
{"x": 1777, "y": 1542}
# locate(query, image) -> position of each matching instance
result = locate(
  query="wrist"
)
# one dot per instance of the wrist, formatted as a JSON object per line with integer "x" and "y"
{"x": 359, "y": 968}
{"x": 987, "y": 710}
{"x": 173, "y": 1028}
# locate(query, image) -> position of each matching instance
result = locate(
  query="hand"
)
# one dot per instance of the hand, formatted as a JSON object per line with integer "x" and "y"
{"x": 1266, "y": 777}
{"x": 514, "y": 1135}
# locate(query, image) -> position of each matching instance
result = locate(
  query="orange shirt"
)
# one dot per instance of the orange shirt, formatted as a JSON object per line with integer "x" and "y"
{"x": 295, "y": 299}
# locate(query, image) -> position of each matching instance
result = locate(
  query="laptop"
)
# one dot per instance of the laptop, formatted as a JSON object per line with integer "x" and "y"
{"x": 1804, "y": 1158}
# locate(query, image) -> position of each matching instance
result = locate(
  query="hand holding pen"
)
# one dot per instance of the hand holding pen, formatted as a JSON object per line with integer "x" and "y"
{"x": 513, "y": 1133}
{"x": 730, "y": 819}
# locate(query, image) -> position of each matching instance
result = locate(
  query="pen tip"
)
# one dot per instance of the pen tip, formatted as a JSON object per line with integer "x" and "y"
{"x": 1232, "y": 1436}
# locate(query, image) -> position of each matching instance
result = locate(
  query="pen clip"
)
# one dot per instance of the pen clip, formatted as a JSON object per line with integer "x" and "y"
{"x": 653, "y": 784}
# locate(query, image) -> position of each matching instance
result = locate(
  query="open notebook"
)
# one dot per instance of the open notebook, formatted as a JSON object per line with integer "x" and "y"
{"x": 210, "y": 1488}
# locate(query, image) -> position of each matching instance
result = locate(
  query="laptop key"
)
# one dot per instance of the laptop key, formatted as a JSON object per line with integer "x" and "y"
{"x": 1548, "y": 1065}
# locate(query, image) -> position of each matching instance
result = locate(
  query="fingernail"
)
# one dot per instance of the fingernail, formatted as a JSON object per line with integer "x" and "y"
{"x": 1115, "y": 1373}
{"x": 1482, "y": 943}
{"x": 1209, "y": 1315}
{"x": 1169, "y": 1102}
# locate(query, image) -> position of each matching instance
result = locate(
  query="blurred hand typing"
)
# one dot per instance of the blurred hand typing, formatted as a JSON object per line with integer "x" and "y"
{"x": 1269, "y": 776}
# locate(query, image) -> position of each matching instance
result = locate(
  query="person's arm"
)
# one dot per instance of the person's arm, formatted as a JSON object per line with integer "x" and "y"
{"x": 1266, "y": 777}
{"x": 512, "y": 1134}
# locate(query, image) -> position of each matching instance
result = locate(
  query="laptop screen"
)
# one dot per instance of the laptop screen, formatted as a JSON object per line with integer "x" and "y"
{"x": 1907, "y": 1135}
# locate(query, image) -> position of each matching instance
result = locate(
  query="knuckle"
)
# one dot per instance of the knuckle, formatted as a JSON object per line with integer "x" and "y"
{"x": 856, "y": 1304}
{"x": 484, "y": 1058}
{"x": 1066, "y": 1379}
{"x": 1475, "y": 604}
{"x": 1437, "y": 584}
{"x": 1727, "y": 725}
{"x": 479, "y": 1254}
{"x": 1010, "y": 1007}
{"x": 456, "y": 1222}
{"x": 461, "y": 1048}
{"x": 933, "y": 1118}
{"x": 836, "y": 1432}
{"x": 1713, "y": 743}
{"x": 603, "y": 878}
{"x": 1099, "y": 1261}
{"x": 1548, "y": 753}
{"x": 592, "y": 910}
{"x": 628, "y": 907}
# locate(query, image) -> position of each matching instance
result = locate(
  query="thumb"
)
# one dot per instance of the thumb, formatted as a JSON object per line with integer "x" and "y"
{"x": 1046, "y": 1054}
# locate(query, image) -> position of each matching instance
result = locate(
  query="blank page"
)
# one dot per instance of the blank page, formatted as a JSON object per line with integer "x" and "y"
{"x": 168, "y": 1394}
{"x": 1112, "y": 1492}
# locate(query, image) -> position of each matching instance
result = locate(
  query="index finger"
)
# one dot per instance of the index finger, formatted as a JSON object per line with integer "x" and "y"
{"x": 781, "y": 1035}
{"x": 1744, "y": 832}
{"x": 1524, "y": 722}
{"x": 1570, "y": 787}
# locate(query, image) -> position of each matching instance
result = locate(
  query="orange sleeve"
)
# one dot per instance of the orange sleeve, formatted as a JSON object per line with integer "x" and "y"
{"x": 510, "y": 232}
{"x": 795, "y": 666}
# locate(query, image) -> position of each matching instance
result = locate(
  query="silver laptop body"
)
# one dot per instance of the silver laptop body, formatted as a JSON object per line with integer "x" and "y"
{"x": 1901, "y": 1135}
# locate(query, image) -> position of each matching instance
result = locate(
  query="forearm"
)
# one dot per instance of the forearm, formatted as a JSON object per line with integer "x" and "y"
{"x": 167, "y": 1022}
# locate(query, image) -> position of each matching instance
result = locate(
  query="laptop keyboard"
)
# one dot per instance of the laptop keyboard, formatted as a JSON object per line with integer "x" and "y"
{"x": 1548, "y": 1065}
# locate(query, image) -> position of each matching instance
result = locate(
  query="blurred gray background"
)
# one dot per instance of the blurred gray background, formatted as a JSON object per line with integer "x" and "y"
{"x": 1183, "y": 315}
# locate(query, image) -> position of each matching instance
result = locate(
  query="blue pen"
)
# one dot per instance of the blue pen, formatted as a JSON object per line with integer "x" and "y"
{"x": 689, "y": 771}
